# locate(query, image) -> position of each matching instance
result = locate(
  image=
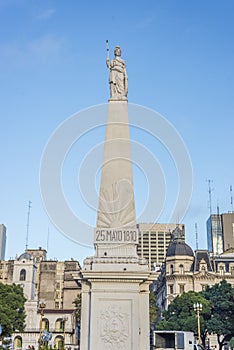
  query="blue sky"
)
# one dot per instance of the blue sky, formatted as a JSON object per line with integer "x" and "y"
{"x": 179, "y": 57}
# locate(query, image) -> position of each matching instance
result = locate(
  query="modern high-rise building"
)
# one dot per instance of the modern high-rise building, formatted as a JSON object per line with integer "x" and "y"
{"x": 154, "y": 240}
{"x": 2, "y": 241}
{"x": 220, "y": 232}
{"x": 228, "y": 230}
{"x": 215, "y": 234}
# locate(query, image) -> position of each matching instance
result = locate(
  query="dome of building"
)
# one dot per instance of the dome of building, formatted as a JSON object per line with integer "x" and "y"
{"x": 178, "y": 245}
{"x": 25, "y": 256}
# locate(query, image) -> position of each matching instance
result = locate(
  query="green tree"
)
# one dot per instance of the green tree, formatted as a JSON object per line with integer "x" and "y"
{"x": 77, "y": 303}
{"x": 221, "y": 321}
{"x": 12, "y": 313}
{"x": 181, "y": 316}
{"x": 154, "y": 311}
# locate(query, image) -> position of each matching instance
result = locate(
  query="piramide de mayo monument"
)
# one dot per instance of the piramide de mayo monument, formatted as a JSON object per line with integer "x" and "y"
{"x": 115, "y": 281}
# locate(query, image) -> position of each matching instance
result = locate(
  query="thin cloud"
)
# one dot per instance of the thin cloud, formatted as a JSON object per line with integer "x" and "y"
{"x": 46, "y": 46}
{"x": 39, "y": 49}
{"x": 46, "y": 14}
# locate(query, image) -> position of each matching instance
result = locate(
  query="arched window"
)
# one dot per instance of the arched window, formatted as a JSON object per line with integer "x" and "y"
{"x": 18, "y": 343}
{"x": 59, "y": 325}
{"x": 172, "y": 269}
{"x": 45, "y": 324}
{"x": 181, "y": 267}
{"x": 59, "y": 342}
{"x": 23, "y": 275}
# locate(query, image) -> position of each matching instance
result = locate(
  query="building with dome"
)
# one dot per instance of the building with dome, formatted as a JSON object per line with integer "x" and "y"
{"x": 154, "y": 239}
{"x": 185, "y": 270}
{"x": 50, "y": 290}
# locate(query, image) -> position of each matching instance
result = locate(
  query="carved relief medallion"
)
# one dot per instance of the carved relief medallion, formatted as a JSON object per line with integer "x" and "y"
{"x": 114, "y": 327}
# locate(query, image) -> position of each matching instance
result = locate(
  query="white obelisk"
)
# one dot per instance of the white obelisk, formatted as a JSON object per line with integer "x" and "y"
{"x": 115, "y": 281}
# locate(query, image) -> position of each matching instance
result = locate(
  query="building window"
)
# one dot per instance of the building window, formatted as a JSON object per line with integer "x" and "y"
{"x": 171, "y": 289}
{"x": 45, "y": 324}
{"x": 23, "y": 275}
{"x": 203, "y": 266}
{"x": 59, "y": 325}
{"x": 172, "y": 269}
{"x": 18, "y": 343}
{"x": 181, "y": 288}
{"x": 59, "y": 343}
{"x": 203, "y": 286}
{"x": 221, "y": 270}
{"x": 232, "y": 270}
{"x": 203, "y": 269}
{"x": 181, "y": 267}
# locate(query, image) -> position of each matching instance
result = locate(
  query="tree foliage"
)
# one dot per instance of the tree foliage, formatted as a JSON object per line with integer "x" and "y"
{"x": 153, "y": 309}
{"x": 221, "y": 321}
{"x": 181, "y": 316}
{"x": 77, "y": 303}
{"x": 217, "y": 315}
{"x": 12, "y": 313}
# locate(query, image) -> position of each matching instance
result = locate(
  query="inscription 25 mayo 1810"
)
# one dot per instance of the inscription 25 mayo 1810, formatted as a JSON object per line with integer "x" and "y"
{"x": 126, "y": 235}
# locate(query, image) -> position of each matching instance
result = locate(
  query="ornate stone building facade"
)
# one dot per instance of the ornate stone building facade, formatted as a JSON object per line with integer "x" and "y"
{"x": 185, "y": 270}
{"x": 50, "y": 291}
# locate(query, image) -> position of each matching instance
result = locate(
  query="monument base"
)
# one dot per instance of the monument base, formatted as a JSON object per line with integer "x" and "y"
{"x": 115, "y": 304}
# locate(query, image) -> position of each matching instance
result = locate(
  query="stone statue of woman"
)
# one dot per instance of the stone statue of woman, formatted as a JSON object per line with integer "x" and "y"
{"x": 118, "y": 76}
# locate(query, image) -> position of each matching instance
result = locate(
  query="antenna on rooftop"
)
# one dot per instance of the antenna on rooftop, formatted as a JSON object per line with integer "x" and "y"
{"x": 231, "y": 199}
{"x": 196, "y": 236}
{"x": 27, "y": 230}
{"x": 47, "y": 243}
{"x": 210, "y": 190}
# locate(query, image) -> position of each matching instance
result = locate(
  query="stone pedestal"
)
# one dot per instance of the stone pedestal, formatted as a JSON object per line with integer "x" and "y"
{"x": 115, "y": 310}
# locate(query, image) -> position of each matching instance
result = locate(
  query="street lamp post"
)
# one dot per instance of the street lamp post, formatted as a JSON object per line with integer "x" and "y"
{"x": 198, "y": 308}
{"x": 65, "y": 318}
{"x": 42, "y": 306}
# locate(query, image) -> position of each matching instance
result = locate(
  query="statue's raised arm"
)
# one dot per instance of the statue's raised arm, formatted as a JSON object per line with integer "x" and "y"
{"x": 118, "y": 79}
